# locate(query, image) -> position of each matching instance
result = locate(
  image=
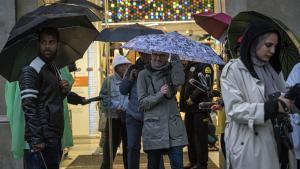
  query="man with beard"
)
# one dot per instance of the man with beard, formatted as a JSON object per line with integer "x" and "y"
{"x": 42, "y": 94}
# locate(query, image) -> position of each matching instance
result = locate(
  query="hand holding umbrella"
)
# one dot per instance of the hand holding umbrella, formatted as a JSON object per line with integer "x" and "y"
{"x": 76, "y": 33}
{"x": 65, "y": 87}
{"x": 175, "y": 44}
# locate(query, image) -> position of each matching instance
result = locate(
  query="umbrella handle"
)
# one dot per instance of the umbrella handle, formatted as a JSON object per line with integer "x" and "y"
{"x": 43, "y": 160}
{"x": 57, "y": 71}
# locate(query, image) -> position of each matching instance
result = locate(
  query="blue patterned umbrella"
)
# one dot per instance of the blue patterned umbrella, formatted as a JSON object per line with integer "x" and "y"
{"x": 174, "y": 43}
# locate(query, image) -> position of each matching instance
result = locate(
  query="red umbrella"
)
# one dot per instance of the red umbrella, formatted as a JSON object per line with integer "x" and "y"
{"x": 214, "y": 23}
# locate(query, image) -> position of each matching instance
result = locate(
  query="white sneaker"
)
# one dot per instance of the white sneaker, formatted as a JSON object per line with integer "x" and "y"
{"x": 98, "y": 151}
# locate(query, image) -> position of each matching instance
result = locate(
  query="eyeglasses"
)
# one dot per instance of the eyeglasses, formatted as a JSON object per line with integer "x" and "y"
{"x": 160, "y": 55}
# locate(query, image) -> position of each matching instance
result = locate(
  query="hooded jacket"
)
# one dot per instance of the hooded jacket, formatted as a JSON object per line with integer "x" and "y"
{"x": 129, "y": 87}
{"x": 113, "y": 99}
{"x": 249, "y": 132}
{"x": 163, "y": 127}
{"x": 253, "y": 32}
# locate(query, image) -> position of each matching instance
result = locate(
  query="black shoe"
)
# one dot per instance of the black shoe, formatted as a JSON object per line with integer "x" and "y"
{"x": 198, "y": 167}
{"x": 189, "y": 166}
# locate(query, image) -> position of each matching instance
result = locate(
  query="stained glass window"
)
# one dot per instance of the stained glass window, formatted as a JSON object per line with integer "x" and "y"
{"x": 156, "y": 10}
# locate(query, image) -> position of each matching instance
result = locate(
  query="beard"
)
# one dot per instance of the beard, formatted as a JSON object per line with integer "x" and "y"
{"x": 48, "y": 55}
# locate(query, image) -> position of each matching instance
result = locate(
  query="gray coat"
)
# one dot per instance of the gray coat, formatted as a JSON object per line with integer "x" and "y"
{"x": 163, "y": 127}
{"x": 116, "y": 100}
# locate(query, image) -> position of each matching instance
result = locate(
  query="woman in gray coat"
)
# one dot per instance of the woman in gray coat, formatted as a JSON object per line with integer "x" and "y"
{"x": 163, "y": 129}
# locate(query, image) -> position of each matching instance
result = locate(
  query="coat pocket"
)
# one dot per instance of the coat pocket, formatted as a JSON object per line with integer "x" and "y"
{"x": 241, "y": 144}
{"x": 152, "y": 128}
{"x": 176, "y": 127}
{"x": 237, "y": 148}
{"x": 56, "y": 116}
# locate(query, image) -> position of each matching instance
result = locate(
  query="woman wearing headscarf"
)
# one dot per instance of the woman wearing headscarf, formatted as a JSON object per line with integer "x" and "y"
{"x": 246, "y": 85}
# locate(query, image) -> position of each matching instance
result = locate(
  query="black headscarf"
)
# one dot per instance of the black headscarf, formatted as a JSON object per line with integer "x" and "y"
{"x": 252, "y": 33}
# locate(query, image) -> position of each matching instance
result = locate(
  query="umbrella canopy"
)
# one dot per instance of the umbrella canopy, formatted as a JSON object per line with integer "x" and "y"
{"x": 125, "y": 33}
{"x": 174, "y": 43}
{"x": 289, "y": 55}
{"x": 62, "y": 8}
{"x": 76, "y": 34}
{"x": 91, "y": 6}
{"x": 215, "y": 24}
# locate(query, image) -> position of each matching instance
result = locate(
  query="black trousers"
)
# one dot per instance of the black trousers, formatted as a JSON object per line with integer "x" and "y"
{"x": 223, "y": 145}
{"x": 118, "y": 134}
{"x": 197, "y": 132}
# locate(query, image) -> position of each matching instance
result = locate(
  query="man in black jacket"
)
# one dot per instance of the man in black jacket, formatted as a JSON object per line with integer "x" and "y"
{"x": 196, "y": 120}
{"x": 42, "y": 94}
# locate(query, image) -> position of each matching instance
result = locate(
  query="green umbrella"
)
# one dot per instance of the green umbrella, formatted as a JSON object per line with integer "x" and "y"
{"x": 291, "y": 45}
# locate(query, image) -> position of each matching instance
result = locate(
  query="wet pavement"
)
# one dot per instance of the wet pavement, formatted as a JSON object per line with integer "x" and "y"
{"x": 80, "y": 157}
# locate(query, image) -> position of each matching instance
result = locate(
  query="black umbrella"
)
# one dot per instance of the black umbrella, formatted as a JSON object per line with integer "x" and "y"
{"x": 125, "y": 33}
{"x": 63, "y": 8}
{"x": 76, "y": 34}
{"x": 93, "y": 7}
{"x": 291, "y": 45}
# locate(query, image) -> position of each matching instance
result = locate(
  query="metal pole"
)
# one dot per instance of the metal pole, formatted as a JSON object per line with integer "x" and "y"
{"x": 222, "y": 161}
{"x": 109, "y": 94}
{"x": 220, "y": 6}
{"x": 109, "y": 112}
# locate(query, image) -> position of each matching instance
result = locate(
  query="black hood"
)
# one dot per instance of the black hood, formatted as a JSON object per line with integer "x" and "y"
{"x": 139, "y": 64}
{"x": 252, "y": 33}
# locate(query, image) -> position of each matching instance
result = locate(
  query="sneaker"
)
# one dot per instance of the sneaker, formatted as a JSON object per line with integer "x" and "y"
{"x": 66, "y": 157}
{"x": 98, "y": 151}
{"x": 213, "y": 148}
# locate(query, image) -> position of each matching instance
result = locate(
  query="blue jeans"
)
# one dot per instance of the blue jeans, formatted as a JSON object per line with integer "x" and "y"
{"x": 134, "y": 134}
{"x": 51, "y": 157}
{"x": 175, "y": 155}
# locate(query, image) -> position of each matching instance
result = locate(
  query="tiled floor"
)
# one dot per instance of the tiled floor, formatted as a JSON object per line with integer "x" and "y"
{"x": 86, "y": 146}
